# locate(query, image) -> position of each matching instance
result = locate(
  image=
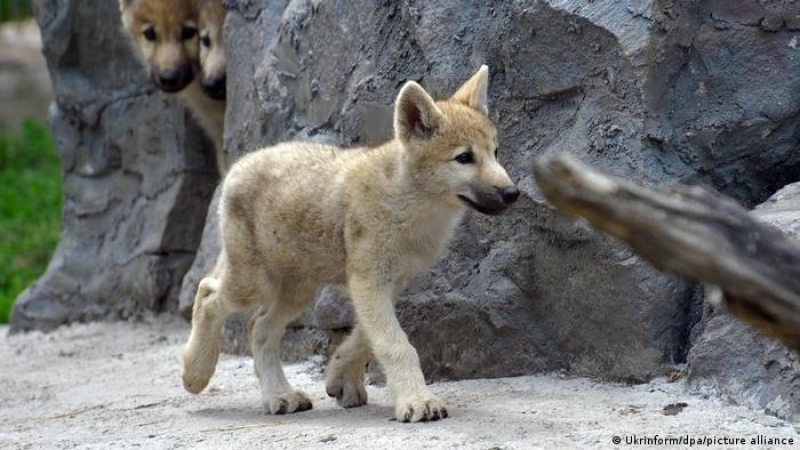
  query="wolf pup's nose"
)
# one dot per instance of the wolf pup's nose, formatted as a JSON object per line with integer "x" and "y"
{"x": 214, "y": 87}
{"x": 510, "y": 195}
{"x": 169, "y": 79}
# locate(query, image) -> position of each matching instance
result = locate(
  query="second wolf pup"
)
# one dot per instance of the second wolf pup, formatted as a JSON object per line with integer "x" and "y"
{"x": 212, "y": 49}
{"x": 298, "y": 216}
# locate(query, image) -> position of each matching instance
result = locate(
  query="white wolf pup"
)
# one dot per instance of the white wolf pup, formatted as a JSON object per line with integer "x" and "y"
{"x": 298, "y": 216}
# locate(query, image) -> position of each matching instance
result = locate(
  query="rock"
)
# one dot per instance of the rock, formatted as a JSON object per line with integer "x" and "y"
{"x": 205, "y": 258}
{"x": 743, "y": 364}
{"x": 723, "y": 98}
{"x": 137, "y": 178}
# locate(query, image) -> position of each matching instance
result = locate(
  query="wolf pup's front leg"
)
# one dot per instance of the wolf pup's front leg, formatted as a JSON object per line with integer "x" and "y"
{"x": 374, "y": 308}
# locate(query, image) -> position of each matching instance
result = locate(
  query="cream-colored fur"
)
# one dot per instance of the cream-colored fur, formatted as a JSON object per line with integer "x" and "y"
{"x": 166, "y": 36}
{"x": 210, "y": 108}
{"x": 210, "y": 114}
{"x": 298, "y": 216}
{"x": 212, "y": 48}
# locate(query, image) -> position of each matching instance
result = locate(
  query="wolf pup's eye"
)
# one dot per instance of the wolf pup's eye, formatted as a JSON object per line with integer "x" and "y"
{"x": 466, "y": 157}
{"x": 188, "y": 33}
{"x": 205, "y": 40}
{"x": 495, "y": 153}
{"x": 149, "y": 34}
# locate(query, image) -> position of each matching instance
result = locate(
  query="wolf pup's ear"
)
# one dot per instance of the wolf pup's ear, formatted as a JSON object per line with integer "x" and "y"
{"x": 474, "y": 92}
{"x": 415, "y": 113}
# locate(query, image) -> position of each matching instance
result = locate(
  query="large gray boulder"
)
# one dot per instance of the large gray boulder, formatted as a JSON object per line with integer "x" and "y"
{"x": 137, "y": 177}
{"x": 744, "y": 365}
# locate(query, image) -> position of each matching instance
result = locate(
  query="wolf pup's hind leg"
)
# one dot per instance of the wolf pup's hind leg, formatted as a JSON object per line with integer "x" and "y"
{"x": 221, "y": 293}
{"x": 266, "y": 331}
{"x": 344, "y": 378}
{"x": 202, "y": 350}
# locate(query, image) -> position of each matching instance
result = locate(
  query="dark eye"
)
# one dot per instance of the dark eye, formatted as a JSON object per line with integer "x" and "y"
{"x": 188, "y": 33}
{"x": 495, "y": 153}
{"x": 149, "y": 34}
{"x": 205, "y": 40}
{"x": 465, "y": 158}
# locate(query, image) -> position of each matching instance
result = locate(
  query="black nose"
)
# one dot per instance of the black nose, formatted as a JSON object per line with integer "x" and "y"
{"x": 510, "y": 194}
{"x": 169, "y": 79}
{"x": 173, "y": 80}
{"x": 214, "y": 87}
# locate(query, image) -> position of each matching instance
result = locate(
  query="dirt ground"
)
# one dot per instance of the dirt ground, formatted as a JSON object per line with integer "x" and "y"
{"x": 117, "y": 385}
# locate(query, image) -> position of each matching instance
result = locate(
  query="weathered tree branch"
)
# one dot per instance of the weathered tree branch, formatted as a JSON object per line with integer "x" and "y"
{"x": 691, "y": 232}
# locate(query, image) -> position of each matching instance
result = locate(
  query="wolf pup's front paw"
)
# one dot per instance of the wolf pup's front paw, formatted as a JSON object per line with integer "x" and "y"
{"x": 420, "y": 408}
{"x": 288, "y": 403}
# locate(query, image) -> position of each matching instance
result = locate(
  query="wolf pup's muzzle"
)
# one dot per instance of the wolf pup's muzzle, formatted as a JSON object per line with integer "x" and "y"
{"x": 173, "y": 80}
{"x": 491, "y": 203}
{"x": 214, "y": 87}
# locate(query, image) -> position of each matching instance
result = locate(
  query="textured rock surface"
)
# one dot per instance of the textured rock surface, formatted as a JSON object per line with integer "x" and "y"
{"x": 741, "y": 363}
{"x": 729, "y": 111}
{"x": 137, "y": 180}
{"x": 204, "y": 259}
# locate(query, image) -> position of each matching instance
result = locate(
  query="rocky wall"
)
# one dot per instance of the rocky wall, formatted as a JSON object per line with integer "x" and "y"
{"x": 137, "y": 177}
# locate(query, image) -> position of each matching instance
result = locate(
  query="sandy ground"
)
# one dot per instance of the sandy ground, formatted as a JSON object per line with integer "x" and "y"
{"x": 118, "y": 385}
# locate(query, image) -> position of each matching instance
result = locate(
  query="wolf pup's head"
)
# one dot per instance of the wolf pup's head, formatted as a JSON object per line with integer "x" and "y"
{"x": 452, "y": 146}
{"x": 212, "y": 48}
{"x": 165, "y": 34}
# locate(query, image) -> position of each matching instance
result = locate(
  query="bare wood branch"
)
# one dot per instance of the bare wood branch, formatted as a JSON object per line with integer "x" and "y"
{"x": 692, "y": 232}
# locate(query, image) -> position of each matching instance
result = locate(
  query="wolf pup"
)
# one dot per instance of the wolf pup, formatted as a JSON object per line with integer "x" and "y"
{"x": 212, "y": 48}
{"x": 165, "y": 34}
{"x": 210, "y": 110}
{"x": 298, "y": 216}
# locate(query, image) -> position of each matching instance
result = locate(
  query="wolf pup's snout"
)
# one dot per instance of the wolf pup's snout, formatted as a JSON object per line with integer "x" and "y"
{"x": 214, "y": 87}
{"x": 173, "y": 80}
{"x": 490, "y": 201}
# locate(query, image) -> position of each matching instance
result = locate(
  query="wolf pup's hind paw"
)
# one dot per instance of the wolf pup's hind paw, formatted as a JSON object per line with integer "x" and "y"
{"x": 288, "y": 403}
{"x": 349, "y": 393}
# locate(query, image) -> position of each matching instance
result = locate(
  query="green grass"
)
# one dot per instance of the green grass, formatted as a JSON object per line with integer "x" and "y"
{"x": 30, "y": 209}
{"x": 12, "y": 10}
